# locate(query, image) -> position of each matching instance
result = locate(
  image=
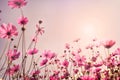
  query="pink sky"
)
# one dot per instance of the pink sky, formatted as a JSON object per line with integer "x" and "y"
{"x": 66, "y": 20}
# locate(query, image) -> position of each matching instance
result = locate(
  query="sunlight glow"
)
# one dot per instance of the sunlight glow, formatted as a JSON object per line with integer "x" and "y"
{"x": 89, "y": 30}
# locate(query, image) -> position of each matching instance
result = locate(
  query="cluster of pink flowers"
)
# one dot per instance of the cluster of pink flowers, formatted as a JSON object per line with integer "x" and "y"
{"x": 71, "y": 65}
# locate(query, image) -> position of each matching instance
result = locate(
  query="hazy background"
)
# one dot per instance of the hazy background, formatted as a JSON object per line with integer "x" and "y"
{"x": 66, "y": 20}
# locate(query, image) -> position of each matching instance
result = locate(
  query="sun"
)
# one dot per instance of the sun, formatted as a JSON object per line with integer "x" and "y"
{"x": 89, "y": 30}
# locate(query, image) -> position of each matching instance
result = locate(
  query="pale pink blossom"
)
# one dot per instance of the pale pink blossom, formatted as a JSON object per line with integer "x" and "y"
{"x": 22, "y": 20}
{"x": 16, "y": 3}
{"x": 32, "y": 51}
{"x": 13, "y": 54}
{"x": 48, "y": 54}
{"x": 80, "y": 59}
{"x": 108, "y": 43}
{"x": 8, "y": 30}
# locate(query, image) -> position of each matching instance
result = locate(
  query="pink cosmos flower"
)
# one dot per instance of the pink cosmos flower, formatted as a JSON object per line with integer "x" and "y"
{"x": 40, "y": 30}
{"x": 88, "y": 65}
{"x": 80, "y": 59}
{"x": 13, "y": 69}
{"x": 32, "y": 51}
{"x": 43, "y": 62}
{"x": 65, "y": 63}
{"x": 75, "y": 71}
{"x": 13, "y": 54}
{"x": 48, "y": 54}
{"x": 94, "y": 57}
{"x": 52, "y": 55}
{"x": 36, "y": 72}
{"x": 108, "y": 43}
{"x": 65, "y": 76}
{"x": 22, "y": 20}
{"x": 8, "y": 30}
{"x": 16, "y": 3}
{"x": 96, "y": 70}
{"x": 116, "y": 52}
{"x": 54, "y": 77}
{"x": 97, "y": 64}
{"x": 87, "y": 78}
{"x": 67, "y": 46}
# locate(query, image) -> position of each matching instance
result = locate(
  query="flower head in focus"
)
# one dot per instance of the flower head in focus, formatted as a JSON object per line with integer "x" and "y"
{"x": 16, "y": 3}
{"x": 8, "y": 30}
{"x": 22, "y": 20}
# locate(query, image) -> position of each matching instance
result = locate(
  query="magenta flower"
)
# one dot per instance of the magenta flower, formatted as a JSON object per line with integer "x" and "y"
{"x": 48, "y": 54}
{"x": 16, "y": 3}
{"x": 108, "y": 43}
{"x": 75, "y": 71}
{"x": 35, "y": 72}
{"x": 22, "y": 20}
{"x": 13, "y": 69}
{"x": 8, "y": 30}
{"x": 32, "y": 51}
{"x": 87, "y": 78}
{"x": 40, "y": 30}
{"x": 87, "y": 65}
{"x": 43, "y": 62}
{"x": 97, "y": 64}
{"x": 13, "y": 54}
{"x": 65, "y": 63}
{"x": 80, "y": 59}
{"x": 96, "y": 70}
{"x": 54, "y": 77}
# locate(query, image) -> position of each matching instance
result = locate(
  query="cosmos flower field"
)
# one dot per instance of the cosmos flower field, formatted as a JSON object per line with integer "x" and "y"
{"x": 70, "y": 65}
